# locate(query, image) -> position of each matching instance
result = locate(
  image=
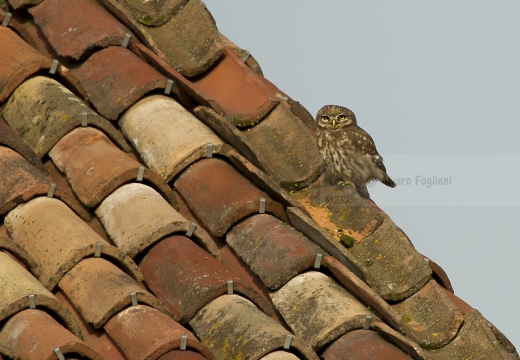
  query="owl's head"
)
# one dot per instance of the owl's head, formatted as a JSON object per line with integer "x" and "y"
{"x": 335, "y": 117}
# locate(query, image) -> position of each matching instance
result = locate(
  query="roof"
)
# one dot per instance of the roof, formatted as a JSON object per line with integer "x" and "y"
{"x": 161, "y": 199}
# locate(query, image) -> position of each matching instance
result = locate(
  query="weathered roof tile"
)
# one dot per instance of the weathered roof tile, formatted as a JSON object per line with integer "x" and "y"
{"x": 57, "y": 239}
{"x": 20, "y": 181}
{"x": 99, "y": 289}
{"x": 187, "y": 39}
{"x": 171, "y": 139}
{"x": 42, "y": 111}
{"x": 33, "y": 334}
{"x": 430, "y": 318}
{"x": 115, "y": 78}
{"x": 19, "y": 60}
{"x": 72, "y": 38}
{"x": 318, "y": 309}
{"x": 220, "y": 196}
{"x": 232, "y": 327}
{"x": 95, "y": 166}
{"x": 136, "y": 216}
{"x": 275, "y": 251}
{"x": 145, "y": 333}
{"x": 17, "y": 284}
{"x": 185, "y": 277}
{"x": 363, "y": 345}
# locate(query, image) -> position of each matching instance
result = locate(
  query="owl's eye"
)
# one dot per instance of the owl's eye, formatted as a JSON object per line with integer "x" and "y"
{"x": 342, "y": 117}
{"x": 325, "y": 118}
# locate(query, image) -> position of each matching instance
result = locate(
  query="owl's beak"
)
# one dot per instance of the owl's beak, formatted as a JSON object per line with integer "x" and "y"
{"x": 334, "y": 122}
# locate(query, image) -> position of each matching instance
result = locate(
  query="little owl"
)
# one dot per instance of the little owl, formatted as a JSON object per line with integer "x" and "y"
{"x": 349, "y": 153}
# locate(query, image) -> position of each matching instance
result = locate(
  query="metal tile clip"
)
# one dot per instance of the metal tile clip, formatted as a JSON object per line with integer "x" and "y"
{"x": 7, "y": 18}
{"x": 126, "y": 40}
{"x": 368, "y": 321}
{"x": 54, "y": 67}
{"x": 230, "y": 287}
{"x": 191, "y": 229}
{"x": 288, "y": 340}
{"x": 261, "y": 209}
{"x": 99, "y": 248}
{"x": 84, "y": 119}
{"x": 184, "y": 342}
{"x": 52, "y": 188}
{"x": 168, "y": 88}
{"x": 32, "y": 302}
{"x": 140, "y": 173}
{"x": 317, "y": 262}
{"x": 133, "y": 296}
{"x": 209, "y": 150}
{"x": 59, "y": 354}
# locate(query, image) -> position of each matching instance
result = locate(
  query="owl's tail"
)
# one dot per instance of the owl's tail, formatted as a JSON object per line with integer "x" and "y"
{"x": 388, "y": 182}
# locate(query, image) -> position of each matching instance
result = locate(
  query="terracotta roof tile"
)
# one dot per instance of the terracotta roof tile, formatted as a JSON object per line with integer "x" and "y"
{"x": 390, "y": 263}
{"x": 187, "y": 39}
{"x": 233, "y": 327}
{"x": 211, "y": 186}
{"x": 171, "y": 139}
{"x": 97, "y": 339}
{"x": 115, "y": 78}
{"x": 9, "y": 138}
{"x": 119, "y": 211}
{"x": 19, "y": 60}
{"x": 17, "y": 252}
{"x": 71, "y": 38}
{"x": 20, "y": 180}
{"x": 33, "y": 334}
{"x": 306, "y": 303}
{"x": 146, "y": 333}
{"x": 185, "y": 277}
{"x": 363, "y": 345}
{"x": 435, "y": 327}
{"x": 18, "y": 284}
{"x": 99, "y": 289}
{"x": 95, "y": 166}
{"x": 275, "y": 251}
{"x": 279, "y": 355}
{"x": 57, "y": 248}
{"x": 42, "y": 111}
{"x": 182, "y": 355}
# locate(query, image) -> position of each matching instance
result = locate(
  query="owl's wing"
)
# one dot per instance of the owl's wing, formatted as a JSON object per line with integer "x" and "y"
{"x": 368, "y": 147}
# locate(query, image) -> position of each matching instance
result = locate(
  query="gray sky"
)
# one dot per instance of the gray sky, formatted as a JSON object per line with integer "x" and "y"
{"x": 437, "y": 85}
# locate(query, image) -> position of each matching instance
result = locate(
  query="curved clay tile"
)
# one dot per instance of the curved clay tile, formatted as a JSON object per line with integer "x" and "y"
{"x": 58, "y": 239}
{"x": 42, "y": 111}
{"x": 135, "y": 216}
{"x": 10, "y": 139}
{"x": 71, "y": 38}
{"x": 20, "y": 180}
{"x": 318, "y": 309}
{"x": 171, "y": 139}
{"x": 32, "y": 334}
{"x": 99, "y": 290}
{"x": 232, "y": 326}
{"x": 95, "y": 167}
{"x": 436, "y": 327}
{"x": 143, "y": 332}
{"x": 115, "y": 78}
{"x": 16, "y": 4}
{"x": 363, "y": 345}
{"x": 185, "y": 277}
{"x": 18, "y": 284}
{"x": 189, "y": 41}
{"x": 220, "y": 196}
{"x": 19, "y": 60}
{"x": 18, "y": 252}
{"x": 280, "y": 144}
{"x": 262, "y": 237}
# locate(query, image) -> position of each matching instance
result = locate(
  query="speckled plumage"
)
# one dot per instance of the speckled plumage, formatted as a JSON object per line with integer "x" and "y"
{"x": 349, "y": 153}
